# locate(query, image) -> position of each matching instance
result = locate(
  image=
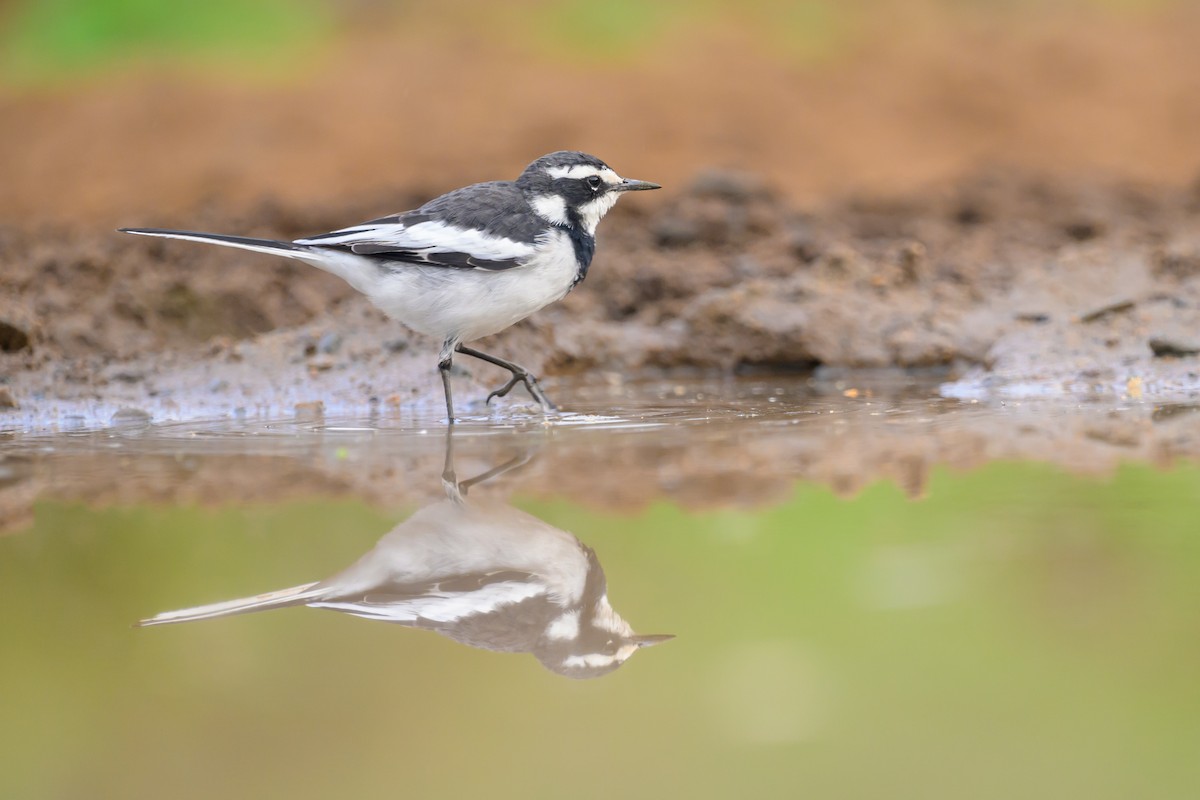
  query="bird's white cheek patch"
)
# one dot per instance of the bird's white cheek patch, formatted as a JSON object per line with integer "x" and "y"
{"x": 551, "y": 208}
{"x": 606, "y": 618}
{"x": 564, "y": 627}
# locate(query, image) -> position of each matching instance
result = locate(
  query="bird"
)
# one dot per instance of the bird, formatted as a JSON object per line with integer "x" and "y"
{"x": 471, "y": 262}
{"x": 481, "y": 573}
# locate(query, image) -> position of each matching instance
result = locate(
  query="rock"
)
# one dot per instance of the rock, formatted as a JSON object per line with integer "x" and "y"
{"x": 1081, "y": 230}
{"x": 1180, "y": 260}
{"x": 1164, "y": 347}
{"x": 130, "y": 418}
{"x": 7, "y": 401}
{"x": 803, "y": 240}
{"x": 729, "y": 185}
{"x": 313, "y": 409}
{"x": 1116, "y": 307}
{"x": 675, "y": 231}
{"x": 329, "y": 343}
{"x": 13, "y": 338}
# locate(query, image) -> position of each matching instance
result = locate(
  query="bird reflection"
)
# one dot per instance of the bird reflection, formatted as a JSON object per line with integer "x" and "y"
{"x": 481, "y": 573}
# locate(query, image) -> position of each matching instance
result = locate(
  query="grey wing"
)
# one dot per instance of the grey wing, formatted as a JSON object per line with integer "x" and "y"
{"x": 487, "y": 226}
{"x": 445, "y": 601}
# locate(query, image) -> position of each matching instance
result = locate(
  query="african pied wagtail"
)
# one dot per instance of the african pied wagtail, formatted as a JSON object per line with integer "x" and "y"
{"x": 471, "y": 262}
{"x": 483, "y": 574}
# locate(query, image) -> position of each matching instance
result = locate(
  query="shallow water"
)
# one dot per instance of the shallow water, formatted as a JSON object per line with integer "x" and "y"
{"x": 872, "y": 593}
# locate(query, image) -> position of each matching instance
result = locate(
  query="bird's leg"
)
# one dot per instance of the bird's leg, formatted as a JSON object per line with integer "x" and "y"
{"x": 444, "y": 368}
{"x": 519, "y": 375}
{"x": 449, "y": 477}
{"x": 516, "y": 462}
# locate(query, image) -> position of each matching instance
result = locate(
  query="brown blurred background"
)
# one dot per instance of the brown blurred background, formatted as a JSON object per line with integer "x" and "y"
{"x": 135, "y": 112}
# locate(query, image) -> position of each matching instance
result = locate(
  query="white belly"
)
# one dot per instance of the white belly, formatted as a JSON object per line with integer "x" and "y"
{"x": 466, "y": 304}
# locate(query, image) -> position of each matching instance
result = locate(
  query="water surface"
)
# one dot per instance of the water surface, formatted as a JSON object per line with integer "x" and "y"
{"x": 873, "y": 594}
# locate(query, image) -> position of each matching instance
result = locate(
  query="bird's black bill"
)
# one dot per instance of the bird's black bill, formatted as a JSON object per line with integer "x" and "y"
{"x": 649, "y": 640}
{"x": 631, "y": 185}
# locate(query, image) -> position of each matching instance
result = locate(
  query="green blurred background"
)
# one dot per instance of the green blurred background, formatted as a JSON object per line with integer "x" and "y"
{"x": 1018, "y": 633}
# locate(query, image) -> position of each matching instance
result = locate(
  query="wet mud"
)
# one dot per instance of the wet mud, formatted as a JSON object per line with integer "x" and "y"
{"x": 1011, "y": 284}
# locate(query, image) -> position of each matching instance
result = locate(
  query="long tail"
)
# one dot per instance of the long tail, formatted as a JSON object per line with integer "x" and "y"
{"x": 359, "y": 272}
{"x": 295, "y": 596}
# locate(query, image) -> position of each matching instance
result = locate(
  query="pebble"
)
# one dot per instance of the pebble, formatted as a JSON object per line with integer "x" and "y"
{"x": 130, "y": 418}
{"x": 1164, "y": 347}
{"x": 329, "y": 343}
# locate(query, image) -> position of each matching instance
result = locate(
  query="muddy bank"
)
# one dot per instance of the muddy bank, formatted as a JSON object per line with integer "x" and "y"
{"x": 1017, "y": 285}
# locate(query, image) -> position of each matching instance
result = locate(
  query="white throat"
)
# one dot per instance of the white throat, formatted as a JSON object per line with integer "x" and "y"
{"x": 592, "y": 212}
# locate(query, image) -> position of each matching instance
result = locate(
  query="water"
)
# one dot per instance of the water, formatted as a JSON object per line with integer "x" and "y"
{"x": 872, "y": 593}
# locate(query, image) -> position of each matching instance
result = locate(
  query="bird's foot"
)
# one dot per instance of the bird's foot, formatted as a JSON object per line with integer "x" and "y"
{"x": 531, "y": 385}
{"x": 505, "y": 389}
{"x": 535, "y": 389}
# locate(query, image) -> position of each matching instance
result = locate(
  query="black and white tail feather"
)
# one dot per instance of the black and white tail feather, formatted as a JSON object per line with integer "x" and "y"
{"x": 295, "y": 596}
{"x": 471, "y": 262}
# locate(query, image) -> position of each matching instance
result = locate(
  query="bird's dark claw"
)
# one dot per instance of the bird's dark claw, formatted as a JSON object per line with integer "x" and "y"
{"x": 506, "y": 388}
{"x": 535, "y": 390}
{"x": 531, "y": 385}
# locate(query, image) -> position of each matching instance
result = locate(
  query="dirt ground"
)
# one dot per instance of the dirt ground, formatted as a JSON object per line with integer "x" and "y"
{"x": 1018, "y": 204}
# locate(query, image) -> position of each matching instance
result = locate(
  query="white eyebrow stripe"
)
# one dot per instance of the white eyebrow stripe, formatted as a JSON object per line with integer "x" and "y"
{"x": 589, "y": 660}
{"x": 578, "y": 171}
{"x": 566, "y": 626}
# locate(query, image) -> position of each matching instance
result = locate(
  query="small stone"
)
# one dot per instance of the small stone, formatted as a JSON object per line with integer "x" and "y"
{"x": 674, "y": 231}
{"x": 7, "y": 401}
{"x": 803, "y": 240}
{"x": 396, "y": 345}
{"x": 329, "y": 343}
{"x": 310, "y": 410}
{"x": 1164, "y": 347}
{"x": 1082, "y": 230}
{"x": 1180, "y": 261}
{"x": 12, "y": 338}
{"x": 130, "y": 418}
{"x": 1118, "y": 307}
{"x": 730, "y": 185}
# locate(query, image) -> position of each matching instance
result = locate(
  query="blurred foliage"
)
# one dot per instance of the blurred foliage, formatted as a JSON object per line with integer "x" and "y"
{"x": 586, "y": 29}
{"x": 48, "y": 39}
{"x": 1018, "y": 633}
{"x": 56, "y": 39}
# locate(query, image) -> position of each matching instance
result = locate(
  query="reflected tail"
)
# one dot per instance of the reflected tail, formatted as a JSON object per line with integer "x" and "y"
{"x": 296, "y": 595}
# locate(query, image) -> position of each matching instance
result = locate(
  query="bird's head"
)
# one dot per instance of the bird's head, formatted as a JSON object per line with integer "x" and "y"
{"x": 575, "y": 189}
{"x": 590, "y": 642}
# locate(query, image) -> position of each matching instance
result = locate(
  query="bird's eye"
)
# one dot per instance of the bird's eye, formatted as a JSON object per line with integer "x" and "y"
{"x": 594, "y": 182}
